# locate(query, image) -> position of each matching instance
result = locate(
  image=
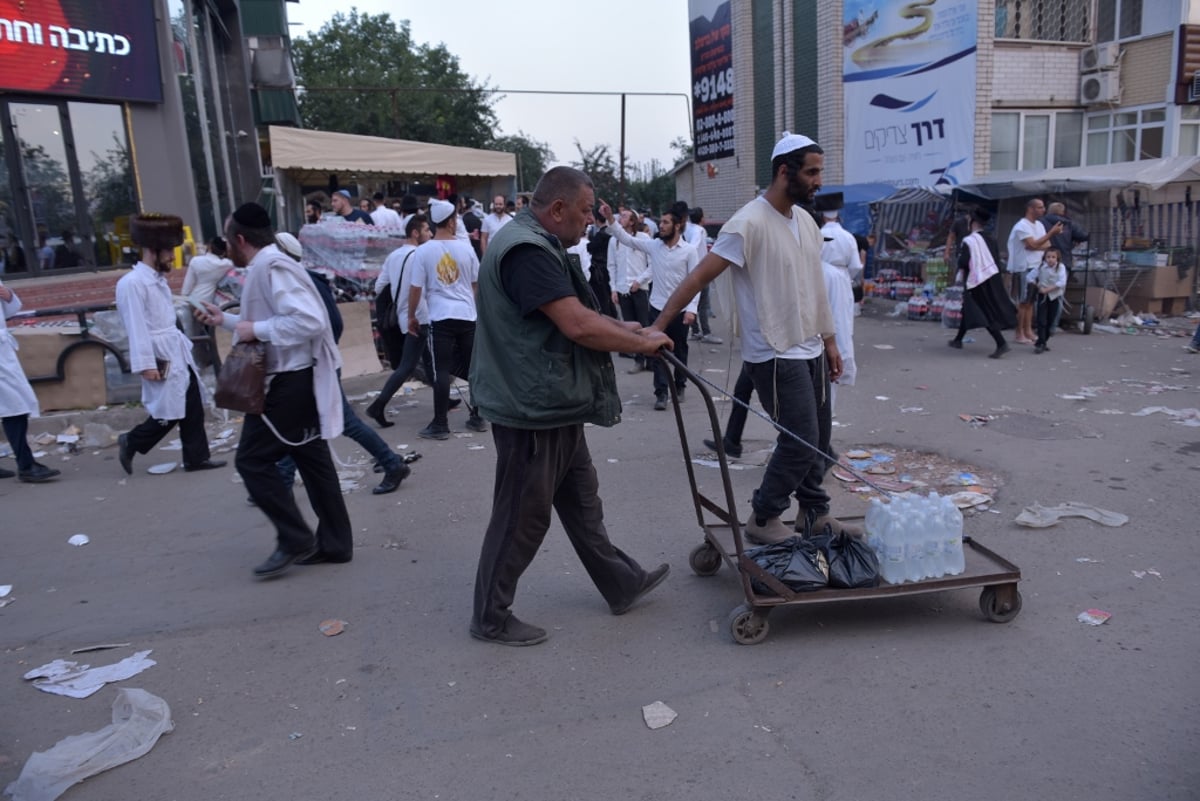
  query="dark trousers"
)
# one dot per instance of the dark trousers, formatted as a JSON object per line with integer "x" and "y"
{"x": 393, "y": 344}
{"x": 148, "y": 433}
{"x": 354, "y": 428}
{"x": 292, "y": 410}
{"x": 16, "y": 429}
{"x": 451, "y": 342}
{"x": 1047, "y": 317}
{"x": 703, "y": 311}
{"x": 795, "y": 393}
{"x": 737, "y": 415}
{"x": 678, "y": 332}
{"x": 537, "y": 471}
{"x": 415, "y": 349}
{"x": 635, "y": 308}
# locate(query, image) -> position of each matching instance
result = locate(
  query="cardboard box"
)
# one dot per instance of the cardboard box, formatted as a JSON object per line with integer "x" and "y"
{"x": 1155, "y": 283}
{"x": 1103, "y": 302}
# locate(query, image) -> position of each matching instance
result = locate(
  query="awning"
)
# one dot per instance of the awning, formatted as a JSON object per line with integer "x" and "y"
{"x": 1151, "y": 173}
{"x": 314, "y": 155}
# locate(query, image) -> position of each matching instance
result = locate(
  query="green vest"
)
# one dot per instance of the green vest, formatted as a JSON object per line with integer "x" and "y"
{"x": 524, "y": 372}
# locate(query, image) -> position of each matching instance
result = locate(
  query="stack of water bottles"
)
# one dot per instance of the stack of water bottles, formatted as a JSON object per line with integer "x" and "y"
{"x": 916, "y": 537}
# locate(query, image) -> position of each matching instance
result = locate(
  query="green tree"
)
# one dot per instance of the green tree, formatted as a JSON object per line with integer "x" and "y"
{"x": 598, "y": 163}
{"x": 110, "y": 184}
{"x": 532, "y": 157}
{"x": 364, "y": 74}
{"x": 683, "y": 150}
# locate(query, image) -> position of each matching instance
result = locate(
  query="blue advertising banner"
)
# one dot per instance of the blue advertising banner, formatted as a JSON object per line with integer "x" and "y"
{"x": 908, "y": 81}
{"x": 712, "y": 78}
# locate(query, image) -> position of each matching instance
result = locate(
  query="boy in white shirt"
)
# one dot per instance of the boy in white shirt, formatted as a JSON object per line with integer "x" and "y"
{"x": 1047, "y": 283}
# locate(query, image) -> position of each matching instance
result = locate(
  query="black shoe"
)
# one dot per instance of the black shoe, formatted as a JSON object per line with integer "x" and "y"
{"x": 37, "y": 474}
{"x": 376, "y": 412}
{"x": 277, "y": 563}
{"x": 955, "y": 343}
{"x": 391, "y": 479}
{"x": 125, "y": 454}
{"x": 319, "y": 557}
{"x": 660, "y": 404}
{"x": 1000, "y": 351}
{"x": 475, "y": 423}
{"x": 434, "y": 432}
{"x": 6, "y": 473}
{"x": 454, "y": 403}
{"x": 1039, "y": 348}
{"x": 515, "y": 632}
{"x": 207, "y": 464}
{"x": 730, "y": 450}
{"x": 653, "y": 579}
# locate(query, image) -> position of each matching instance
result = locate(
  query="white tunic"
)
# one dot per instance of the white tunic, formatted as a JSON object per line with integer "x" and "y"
{"x": 204, "y": 273}
{"x": 16, "y": 396}
{"x": 144, "y": 302}
{"x": 841, "y": 302}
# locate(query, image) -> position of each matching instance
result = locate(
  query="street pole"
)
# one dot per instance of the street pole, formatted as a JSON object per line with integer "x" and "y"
{"x": 621, "y": 192}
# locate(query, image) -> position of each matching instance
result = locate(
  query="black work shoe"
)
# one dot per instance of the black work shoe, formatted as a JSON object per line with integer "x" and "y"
{"x": 653, "y": 579}
{"x": 277, "y": 563}
{"x": 6, "y": 473}
{"x": 319, "y": 557}
{"x": 434, "y": 432}
{"x": 454, "y": 403}
{"x": 955, "y": 343}
{"x": 660, "y": 403}
{"x": 475, "y": 423}
{"x": 730, "y": 450}
{"x": 207, "y": 464}
{"x": 376, "y": 412}
{"x": 37, "y": 474}
{"x": 125, "y": 454}
{"x": 515, "y": 632}
{"x": 1000, "y": 351}
{"x": 391, "y": 479}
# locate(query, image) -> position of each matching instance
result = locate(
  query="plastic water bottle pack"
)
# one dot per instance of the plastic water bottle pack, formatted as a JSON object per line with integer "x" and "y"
{"x": 916, "y": 537}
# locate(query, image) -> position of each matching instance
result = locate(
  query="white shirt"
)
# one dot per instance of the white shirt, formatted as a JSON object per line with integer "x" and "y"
{"x": 493, "y": 223}
{"x": 842, "y": 251}
{"x": 628, "y": 265}
{"x": 460, "y": 231}
{"x": 383, "y": 217}
{"x": 16, "y": 395}
{"x": 580, "y": 251}
{"x": 696, "y": 236}
{"x": 1021, "y": 258}
{"x": 755, "y": 348}
{"x": 669, "y": 265}
{"x": 396, "y": 277}
{"x": 204, "y": 272}
{"x": 446, "y": 270}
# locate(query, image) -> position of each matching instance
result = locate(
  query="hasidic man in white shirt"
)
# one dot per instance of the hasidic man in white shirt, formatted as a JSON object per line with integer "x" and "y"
{"x": 282, "y": 308}
{"x": 494, "y": 221}
{"x": 381, "y": 215}
{"x": 697, "y": 237}
{"x": 158, "y": 350}
{"x": 630, "y": 276}
{"x": 671, "y": 259}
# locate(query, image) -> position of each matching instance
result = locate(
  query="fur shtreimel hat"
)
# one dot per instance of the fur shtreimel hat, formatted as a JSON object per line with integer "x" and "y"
{"x": 156, "y": 231}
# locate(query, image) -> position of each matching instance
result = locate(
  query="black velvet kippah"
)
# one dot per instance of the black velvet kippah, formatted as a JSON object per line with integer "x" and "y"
{"x": 252, "y": 215}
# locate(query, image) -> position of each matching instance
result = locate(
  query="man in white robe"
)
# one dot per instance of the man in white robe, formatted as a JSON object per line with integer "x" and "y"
{"x": 159, "y": 351}
{"x": 17, "y": 401}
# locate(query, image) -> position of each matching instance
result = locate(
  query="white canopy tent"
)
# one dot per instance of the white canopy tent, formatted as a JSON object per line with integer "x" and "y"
{"x": 1151, "y": 174}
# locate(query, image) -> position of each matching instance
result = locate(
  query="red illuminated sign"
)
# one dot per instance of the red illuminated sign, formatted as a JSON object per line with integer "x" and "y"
{"x": 80, "y": 48}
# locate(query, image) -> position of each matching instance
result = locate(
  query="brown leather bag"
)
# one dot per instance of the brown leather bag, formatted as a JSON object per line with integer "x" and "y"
{"x": 242, "y": 385}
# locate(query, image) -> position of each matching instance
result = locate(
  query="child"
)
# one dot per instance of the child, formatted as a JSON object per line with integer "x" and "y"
{"x": 1048, "y": 281}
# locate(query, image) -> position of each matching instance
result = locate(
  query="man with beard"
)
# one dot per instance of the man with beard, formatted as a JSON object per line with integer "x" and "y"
{"x": 342, "y": 207}
{"x": 788, "y": 344}
{"x": 282, "y": 308}
{"x": 494, "y": 221}
{"x": 159, "y": 350}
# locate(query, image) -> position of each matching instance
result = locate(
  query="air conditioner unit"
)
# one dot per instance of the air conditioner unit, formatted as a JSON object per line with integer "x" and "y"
{"x": 1100, "y": 88}
{"x": 1194, "y": 88}
{"x": 1106, "y": 56}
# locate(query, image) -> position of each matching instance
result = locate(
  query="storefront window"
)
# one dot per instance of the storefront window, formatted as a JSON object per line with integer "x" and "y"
{"x": 1189, "y": 130}
{"x": 39, "y": 133}
{"x": 107, "y": 171}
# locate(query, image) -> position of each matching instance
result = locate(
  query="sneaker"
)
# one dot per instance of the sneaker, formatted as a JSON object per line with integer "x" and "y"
{"x": 652, "y": 580}
{"x": 660, "y": 403}
{"x": 475, "y": 423}
{"x": 434, "y": 432}
{"x": 1192, "y": 348}
{"x": 515, "y": 632}
{"x": 955, "y": 343}
{"x": 712, "y": 339}
{"x": 821, "y": 521}
{"x": 768, "y": 532}
{"x": 696, "y": 336}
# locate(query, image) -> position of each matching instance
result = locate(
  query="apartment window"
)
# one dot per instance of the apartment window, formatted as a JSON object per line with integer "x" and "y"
{"x": 1125, "y": 136}
{"x": 1025, "y": 140}
{"x": 1189, "y": 130}
{"x": 1064, "y": 21}
{"x": 1118, "y": 19}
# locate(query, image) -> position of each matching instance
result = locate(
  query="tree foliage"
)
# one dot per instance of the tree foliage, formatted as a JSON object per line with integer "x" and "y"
{"x": 364, "y": 74}
{"x": 533, "y": 157}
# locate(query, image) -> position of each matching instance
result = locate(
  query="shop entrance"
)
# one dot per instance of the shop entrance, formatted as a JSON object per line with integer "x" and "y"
{"x": 66, "y": 185}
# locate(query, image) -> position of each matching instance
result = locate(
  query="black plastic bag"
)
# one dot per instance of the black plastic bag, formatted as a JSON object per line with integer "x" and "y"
{"x": 797, "y": 563}
{"x": 852, "y": 563}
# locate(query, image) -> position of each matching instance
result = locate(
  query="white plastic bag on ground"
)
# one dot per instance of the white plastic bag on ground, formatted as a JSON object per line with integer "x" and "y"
{"x": 138, "y": 720}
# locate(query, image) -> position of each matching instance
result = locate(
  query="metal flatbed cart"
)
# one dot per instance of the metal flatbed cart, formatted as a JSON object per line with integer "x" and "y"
{"x": 724, "y": 543}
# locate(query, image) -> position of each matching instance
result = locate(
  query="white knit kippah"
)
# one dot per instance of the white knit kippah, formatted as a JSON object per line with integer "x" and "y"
{"x": 789, "y": 143}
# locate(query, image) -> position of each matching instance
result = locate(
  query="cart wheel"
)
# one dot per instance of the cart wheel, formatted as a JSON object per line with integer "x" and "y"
{"x": 1089, "y": 315}
{"x": 997, "y": 610}
{"x": 748, "y": 626}
{"x": 705, "y": 560}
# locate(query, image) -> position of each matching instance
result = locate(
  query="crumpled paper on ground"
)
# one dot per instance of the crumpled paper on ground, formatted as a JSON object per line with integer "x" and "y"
{"x": 138, "y": 720}
{"x": 63, "y": 677}
{"x": 1038, "y": 516}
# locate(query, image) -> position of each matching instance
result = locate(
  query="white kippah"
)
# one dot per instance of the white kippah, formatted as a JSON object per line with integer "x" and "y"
{"x": 789, "y": 143}
{"x": 440, "y": 210}
{"x": 289, "y": 245}
{"x": 830, "y": 215}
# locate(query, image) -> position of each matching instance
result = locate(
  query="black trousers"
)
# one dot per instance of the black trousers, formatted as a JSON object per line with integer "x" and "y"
{"x": 148, "y": 433}
{"x": 742, "y": 390}
{"x": 635, "y": 307}
{"x": 415, "y": 349}
{"x": 537, "y": 471}
{"x": 678, "y": 332}
{"x": 451, "y": 342}
{"x": 16, "y": 430}
{"x": 1047, "y": 317}
{"x": 292, "y": 410}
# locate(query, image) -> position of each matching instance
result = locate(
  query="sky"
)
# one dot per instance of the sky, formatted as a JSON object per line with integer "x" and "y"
{"x": 611, "y": 46}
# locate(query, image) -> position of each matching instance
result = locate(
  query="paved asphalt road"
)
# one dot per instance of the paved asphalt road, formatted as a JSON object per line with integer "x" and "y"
{"x": 908, "y": 698}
